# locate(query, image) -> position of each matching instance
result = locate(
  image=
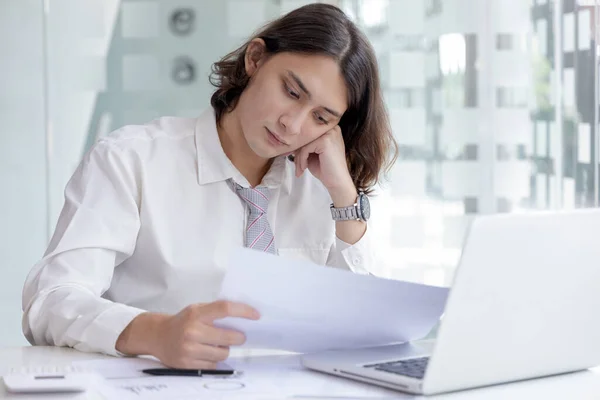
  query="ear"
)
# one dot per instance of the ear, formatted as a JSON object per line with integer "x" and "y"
{"x": 256, "y": 52}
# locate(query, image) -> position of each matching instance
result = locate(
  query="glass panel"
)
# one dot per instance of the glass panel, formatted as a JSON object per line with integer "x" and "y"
{"x": 493, "y": 110}
{"x": 118, "y": 62}
{"x": 491, "y": 134}
{"x": 473, "y": 101}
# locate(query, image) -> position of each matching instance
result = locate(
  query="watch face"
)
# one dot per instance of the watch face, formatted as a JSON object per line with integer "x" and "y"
{"x": 365, "y": 207}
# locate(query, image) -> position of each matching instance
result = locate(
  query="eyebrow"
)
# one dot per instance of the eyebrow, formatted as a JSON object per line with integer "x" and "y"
{"x": 305, "y": 90}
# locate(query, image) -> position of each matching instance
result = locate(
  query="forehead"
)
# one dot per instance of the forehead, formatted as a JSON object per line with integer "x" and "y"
{"x": 319, "y": 73}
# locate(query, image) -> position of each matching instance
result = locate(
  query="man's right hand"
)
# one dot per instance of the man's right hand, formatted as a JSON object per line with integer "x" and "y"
{"x": 188, "y": 339}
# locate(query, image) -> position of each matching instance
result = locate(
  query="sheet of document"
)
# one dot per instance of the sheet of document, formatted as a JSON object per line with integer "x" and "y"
{"x": 120, "y": 368}
{"x": 128, "y": 367}
{"x": 264, "y": 378}
{"x": 308, "y": 308}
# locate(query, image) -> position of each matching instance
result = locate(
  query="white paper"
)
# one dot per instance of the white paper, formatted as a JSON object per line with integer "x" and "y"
{"x": 125, "y": 368}
{"x": 168, "y": 388}
{"x": 265, "y": 378}
{"x": 308, "y": 308}
{"x": 126, "y": 381}
{"x": 295, "y": 381}
{"x": 120, "y": 368}
{"x": 155, "y": 388}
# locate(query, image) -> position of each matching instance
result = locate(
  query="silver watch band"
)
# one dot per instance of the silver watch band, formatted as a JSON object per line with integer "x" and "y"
{"x": 344, "y": 213}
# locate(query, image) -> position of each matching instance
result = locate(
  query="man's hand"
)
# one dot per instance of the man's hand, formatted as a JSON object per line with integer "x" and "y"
{"x": 325, "y": 158}
{"x": 188, "y": 339}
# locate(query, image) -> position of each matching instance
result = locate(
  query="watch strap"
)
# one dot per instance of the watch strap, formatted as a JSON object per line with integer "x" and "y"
{"x": 344, "y": 213}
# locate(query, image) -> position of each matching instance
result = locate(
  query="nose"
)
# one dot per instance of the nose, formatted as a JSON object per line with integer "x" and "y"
{"x": 292, "y": 121}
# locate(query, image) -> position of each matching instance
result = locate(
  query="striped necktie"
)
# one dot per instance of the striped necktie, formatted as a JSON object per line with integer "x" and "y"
{"x": 259, "y": 235}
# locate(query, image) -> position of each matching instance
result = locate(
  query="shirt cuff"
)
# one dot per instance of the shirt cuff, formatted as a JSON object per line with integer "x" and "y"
{"x": 107, "y": 327}
{"x": 358, "y": 256}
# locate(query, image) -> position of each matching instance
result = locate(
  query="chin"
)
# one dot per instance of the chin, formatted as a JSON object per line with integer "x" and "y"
{"x": 264, "y": 152}
{"x": 263, "y": 149}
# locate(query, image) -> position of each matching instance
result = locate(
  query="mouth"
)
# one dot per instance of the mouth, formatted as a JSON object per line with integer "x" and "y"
{"x": 276, "y": 138}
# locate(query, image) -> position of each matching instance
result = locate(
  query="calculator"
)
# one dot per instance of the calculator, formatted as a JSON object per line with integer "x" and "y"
{"x": 49, "y": 379}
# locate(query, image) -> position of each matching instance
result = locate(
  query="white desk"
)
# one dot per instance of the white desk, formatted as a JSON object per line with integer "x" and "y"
{"x": 579, "y": 385}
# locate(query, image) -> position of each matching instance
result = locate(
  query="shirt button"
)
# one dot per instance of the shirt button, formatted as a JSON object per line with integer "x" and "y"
{"x": 356, "y": 261}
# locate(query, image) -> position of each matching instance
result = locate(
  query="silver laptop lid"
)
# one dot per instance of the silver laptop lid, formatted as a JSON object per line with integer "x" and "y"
{"x": 527, "y": 284}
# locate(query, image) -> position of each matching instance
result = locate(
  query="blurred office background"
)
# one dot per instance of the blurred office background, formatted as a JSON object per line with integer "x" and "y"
{"x": 494, "y": 104}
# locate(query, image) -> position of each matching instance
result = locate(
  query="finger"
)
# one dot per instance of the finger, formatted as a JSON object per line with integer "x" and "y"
{"x": 221, "y": 309}
{"x": 222, "y": 337}
{"x": 297, "y": 162}
{"x": 313, "y": 160}
{"x": 205, "y": 352}
{"x": 337, "y": 130}
{"x": 303, "y": 156}
{"x": 303, "y": 161}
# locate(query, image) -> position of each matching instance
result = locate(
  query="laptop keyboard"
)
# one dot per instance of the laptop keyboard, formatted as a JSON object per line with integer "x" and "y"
{"x": 413, "y": 367}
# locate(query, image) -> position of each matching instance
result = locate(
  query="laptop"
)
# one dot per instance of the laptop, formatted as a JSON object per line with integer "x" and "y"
{"x": 523, "y": 304}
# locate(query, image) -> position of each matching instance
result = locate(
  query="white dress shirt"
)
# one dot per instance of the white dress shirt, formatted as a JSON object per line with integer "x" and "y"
{"x": 147, "y": 223}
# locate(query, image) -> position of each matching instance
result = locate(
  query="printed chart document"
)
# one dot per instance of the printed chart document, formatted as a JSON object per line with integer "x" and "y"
{"x": 306, "y": 308}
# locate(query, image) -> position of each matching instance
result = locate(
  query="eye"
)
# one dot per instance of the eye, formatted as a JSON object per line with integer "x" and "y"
{"x": 291, "y": 92}
{"x": 321, "y": 119}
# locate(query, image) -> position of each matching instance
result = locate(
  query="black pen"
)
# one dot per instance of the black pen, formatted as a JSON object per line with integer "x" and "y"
{"x": 189, "y": 372}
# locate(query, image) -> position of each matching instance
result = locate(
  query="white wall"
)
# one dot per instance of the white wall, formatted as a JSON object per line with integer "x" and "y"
{"x": 22, "y": 156}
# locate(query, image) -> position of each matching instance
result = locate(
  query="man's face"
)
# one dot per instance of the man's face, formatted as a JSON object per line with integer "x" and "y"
{"x": 291, "y": 100}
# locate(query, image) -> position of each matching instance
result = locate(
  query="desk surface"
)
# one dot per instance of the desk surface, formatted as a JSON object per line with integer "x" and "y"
{"x": 579, "y": 385}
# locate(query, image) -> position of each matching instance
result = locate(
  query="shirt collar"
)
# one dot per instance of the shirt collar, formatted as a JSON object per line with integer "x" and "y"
{"x": 214, "y": 165}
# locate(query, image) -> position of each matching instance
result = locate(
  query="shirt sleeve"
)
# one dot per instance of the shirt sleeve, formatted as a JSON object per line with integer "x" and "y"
{"x": 358, "y": 257}
{"x": 96, "y": 231}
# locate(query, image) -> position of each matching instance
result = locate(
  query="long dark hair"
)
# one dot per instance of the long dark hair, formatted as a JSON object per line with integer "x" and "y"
{"x": 324, "y": 29}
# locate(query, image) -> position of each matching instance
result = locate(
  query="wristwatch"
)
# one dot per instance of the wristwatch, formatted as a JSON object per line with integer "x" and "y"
{"x": 361, "y": 210}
